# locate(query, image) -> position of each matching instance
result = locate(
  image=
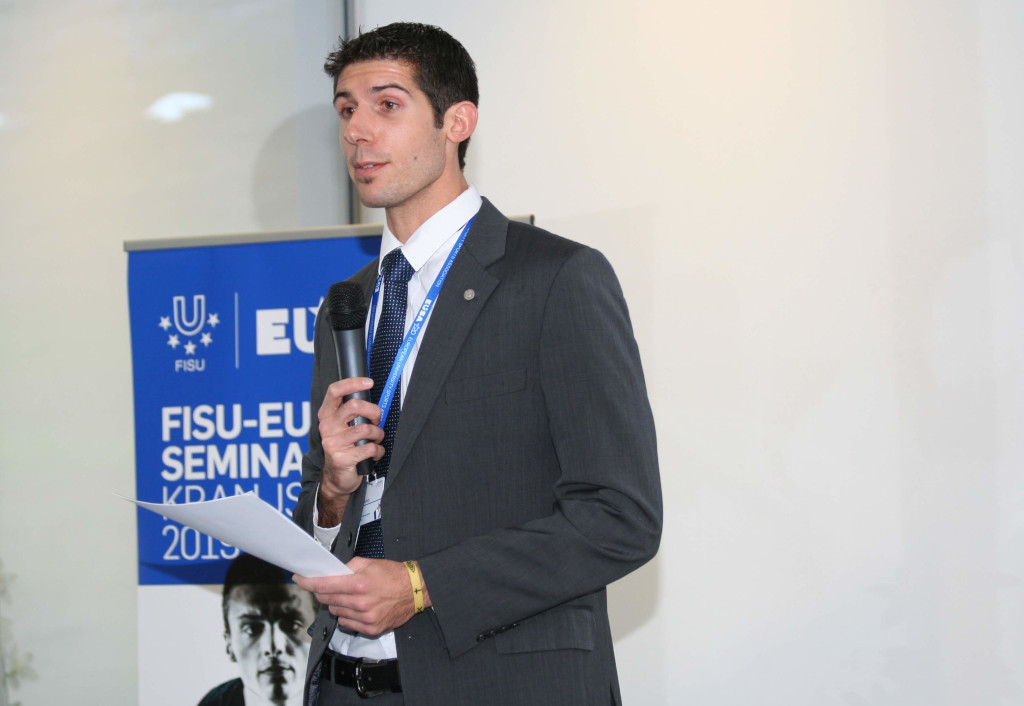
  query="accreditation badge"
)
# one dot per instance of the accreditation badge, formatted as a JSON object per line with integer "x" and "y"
{"x": 371, "y": 501}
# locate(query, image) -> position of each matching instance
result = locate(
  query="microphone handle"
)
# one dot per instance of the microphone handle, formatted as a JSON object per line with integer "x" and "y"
{"x": 350, "y": 349}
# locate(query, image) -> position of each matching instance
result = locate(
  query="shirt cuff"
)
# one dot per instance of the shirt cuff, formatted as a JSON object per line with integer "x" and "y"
{"x": 324, "y": 535}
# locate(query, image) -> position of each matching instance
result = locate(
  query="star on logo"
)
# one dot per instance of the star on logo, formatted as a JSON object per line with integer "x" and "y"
{"x": 213, "y": 320}
{"x": 173, "y": 341}
{"x": 165, "y": 322}
{"x": 190, "y": 348}
{"x": 206, "y": 339}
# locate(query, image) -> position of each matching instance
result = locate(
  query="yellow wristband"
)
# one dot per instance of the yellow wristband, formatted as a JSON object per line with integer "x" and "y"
{"x": 417, "y": 584}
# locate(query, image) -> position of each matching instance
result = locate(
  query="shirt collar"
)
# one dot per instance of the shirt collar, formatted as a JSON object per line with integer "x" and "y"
{"x": 434, "y": 232}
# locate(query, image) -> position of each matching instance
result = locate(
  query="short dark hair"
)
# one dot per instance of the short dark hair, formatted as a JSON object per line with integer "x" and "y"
{"x": 442, "y": 67}
{"x": 248, "y": 570}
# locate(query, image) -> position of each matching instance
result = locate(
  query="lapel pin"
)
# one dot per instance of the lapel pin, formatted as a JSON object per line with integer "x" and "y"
{"x": 468, "y": 295}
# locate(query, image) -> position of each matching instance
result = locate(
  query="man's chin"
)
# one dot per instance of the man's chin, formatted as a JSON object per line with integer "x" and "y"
{"x": 373, "y": 200}
{"x": 372, "y": 197}
{"x": 278, "y": 687}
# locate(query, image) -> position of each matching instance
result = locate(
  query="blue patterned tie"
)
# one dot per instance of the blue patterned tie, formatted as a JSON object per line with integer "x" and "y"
{"x": 396, "y": 272}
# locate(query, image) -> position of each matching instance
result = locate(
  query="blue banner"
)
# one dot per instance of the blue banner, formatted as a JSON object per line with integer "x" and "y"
{"x": 222, "y": 343}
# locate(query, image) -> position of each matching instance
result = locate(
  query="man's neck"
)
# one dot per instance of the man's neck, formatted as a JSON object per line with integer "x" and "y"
{"x": 404, "y": 219}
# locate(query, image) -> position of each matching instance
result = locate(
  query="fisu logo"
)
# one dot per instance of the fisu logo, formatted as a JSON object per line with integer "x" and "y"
{"x": 188, "y": 322}
{"x": 190, "y": 325}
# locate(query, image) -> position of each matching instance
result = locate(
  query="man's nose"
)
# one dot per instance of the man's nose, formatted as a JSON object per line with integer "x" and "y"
{"x": 359, "y": 127}
{"x": 273, "y": 641}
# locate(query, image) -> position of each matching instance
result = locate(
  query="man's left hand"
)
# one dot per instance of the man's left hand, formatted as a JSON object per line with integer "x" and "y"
{"x": 376, "y": 597}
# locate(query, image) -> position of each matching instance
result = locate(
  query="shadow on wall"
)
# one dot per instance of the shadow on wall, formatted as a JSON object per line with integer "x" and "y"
{"x": 299, "y": 178}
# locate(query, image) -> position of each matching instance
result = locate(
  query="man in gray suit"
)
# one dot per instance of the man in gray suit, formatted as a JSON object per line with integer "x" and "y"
{"x": 522, "y": 476}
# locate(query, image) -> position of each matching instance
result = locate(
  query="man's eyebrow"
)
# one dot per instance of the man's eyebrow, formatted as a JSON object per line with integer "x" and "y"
{"x": 386, "y": 86}
{"x": 375, "y": 89}
{"x": 253, "y": 616}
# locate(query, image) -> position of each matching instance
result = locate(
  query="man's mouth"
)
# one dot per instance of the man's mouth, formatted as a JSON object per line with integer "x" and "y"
{"x": 278, "y": 671}
{"x": 278, "y": 668}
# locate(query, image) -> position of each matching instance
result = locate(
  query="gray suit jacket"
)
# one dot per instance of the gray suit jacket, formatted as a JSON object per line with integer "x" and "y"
{"x": 524, "y": 476}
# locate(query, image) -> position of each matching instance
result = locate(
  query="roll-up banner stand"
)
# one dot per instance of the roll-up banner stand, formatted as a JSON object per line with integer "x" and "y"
{"x": 222, "y": 355}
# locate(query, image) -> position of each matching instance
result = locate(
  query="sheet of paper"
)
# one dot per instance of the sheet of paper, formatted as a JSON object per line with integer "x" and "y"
{"x": 246, "y": 522}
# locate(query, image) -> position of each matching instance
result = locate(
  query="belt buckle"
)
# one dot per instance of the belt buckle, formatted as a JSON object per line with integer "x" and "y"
{"x": 361, "y": 689}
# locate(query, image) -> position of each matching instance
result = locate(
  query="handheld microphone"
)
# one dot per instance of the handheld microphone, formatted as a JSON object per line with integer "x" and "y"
{"x": 346, "y": 306}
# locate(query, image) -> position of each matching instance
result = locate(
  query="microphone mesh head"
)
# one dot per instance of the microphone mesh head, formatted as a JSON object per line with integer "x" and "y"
{"x": 346, "y": 306}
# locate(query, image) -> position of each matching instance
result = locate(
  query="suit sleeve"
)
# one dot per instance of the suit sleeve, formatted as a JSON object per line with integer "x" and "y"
{"x": 606, "y": 518}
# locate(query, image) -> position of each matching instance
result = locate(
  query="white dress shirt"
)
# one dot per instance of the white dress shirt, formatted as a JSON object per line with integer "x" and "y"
{"x": 426, "y": 250}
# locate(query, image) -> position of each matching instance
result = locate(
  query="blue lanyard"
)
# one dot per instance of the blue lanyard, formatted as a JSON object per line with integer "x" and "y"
{"x": 395, "y": 376}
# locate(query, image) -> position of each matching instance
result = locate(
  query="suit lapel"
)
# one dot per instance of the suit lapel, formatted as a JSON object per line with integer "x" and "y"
{"x": 450, "y": 323}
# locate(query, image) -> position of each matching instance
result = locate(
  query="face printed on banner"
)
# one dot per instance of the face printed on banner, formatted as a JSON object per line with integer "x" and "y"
{"x": 395, "y": 152}
{"x": 267, "y": 637}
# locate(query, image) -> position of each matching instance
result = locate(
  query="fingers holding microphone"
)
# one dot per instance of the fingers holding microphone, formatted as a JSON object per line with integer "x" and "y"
{"x": 349, "y": 436}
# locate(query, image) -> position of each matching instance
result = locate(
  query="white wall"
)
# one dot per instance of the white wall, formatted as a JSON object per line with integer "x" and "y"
{"x": 815, "y": 211}
{"x": 814, "y": 208}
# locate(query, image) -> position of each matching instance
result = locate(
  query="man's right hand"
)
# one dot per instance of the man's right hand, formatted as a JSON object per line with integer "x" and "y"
{"x": 339, "y": 478}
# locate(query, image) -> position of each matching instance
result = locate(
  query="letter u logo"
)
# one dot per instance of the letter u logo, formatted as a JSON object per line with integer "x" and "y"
{"x": 190, "y": 326}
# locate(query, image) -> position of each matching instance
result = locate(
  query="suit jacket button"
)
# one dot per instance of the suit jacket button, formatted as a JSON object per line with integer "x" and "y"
{"x": 325, "y": 632}
{"x": 350, "y": 539}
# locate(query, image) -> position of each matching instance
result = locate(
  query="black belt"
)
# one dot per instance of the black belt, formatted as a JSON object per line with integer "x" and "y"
{"x": 369, "y": 677}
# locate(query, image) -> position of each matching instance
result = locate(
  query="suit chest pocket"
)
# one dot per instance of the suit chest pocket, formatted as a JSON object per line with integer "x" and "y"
{"x": 481, "y": 386}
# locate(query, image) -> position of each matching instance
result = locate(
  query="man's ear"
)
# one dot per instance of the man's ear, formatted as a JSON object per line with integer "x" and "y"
{"x": 227, "y": 646}
{"x": 460, "y": 121}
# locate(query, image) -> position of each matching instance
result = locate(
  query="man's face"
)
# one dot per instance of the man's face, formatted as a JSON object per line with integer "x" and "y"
{"x": 395, "y": 154}
{"x": 267, "y": 637}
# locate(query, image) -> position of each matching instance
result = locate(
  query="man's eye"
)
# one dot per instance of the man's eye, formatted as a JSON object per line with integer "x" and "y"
{"x": 292, "y": 627}
{"x": 346, "y": 112}
{"x": 389, "y": 105}
{"x": 253, "y": 629}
